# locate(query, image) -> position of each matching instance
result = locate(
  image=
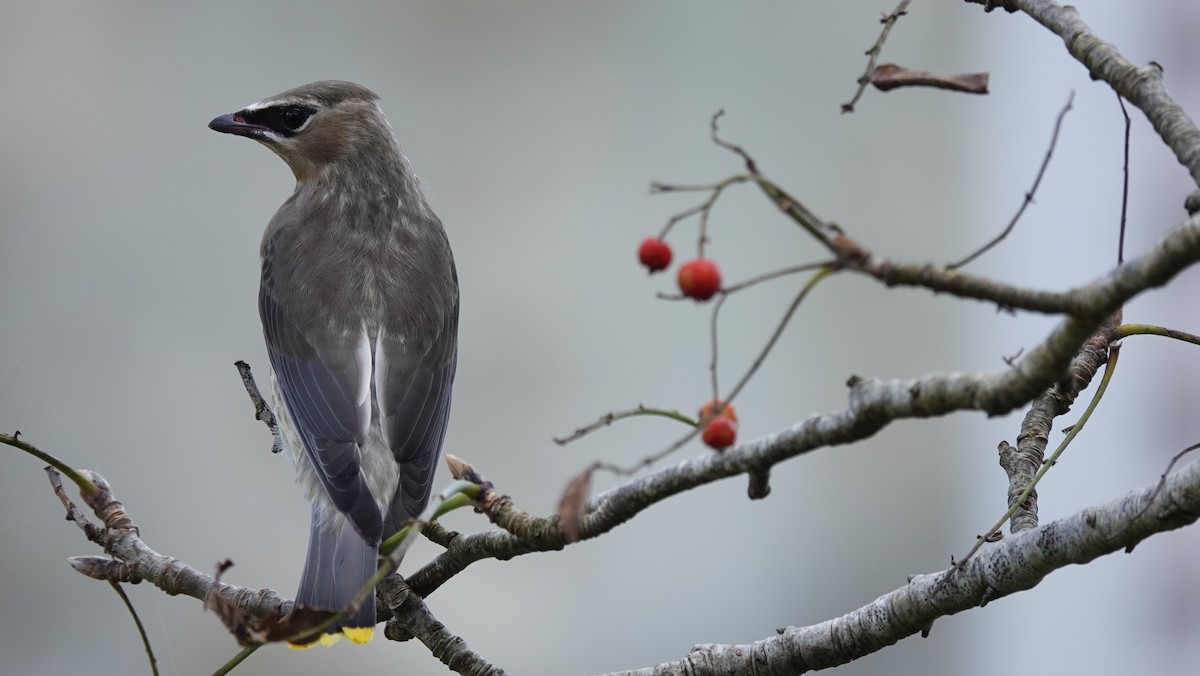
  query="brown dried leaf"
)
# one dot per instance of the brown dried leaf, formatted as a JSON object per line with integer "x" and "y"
{"x": 571, "y": 506}
{"x": 254, "y": 629}
{"x": 888, "y": 76}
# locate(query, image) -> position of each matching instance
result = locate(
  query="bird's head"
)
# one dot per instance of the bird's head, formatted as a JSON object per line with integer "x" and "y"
{"x": 315, "y": 127}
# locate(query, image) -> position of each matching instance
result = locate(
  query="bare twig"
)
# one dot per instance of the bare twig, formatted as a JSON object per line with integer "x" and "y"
{"x": 236, "y": 660}
{"x": 1124, "y": 184}
{"x": 783, "y": 322}
{"x": 1141, "y": 86}
{"x": 758, "y": 362}
{"x": 776, "y": 274}
{"x": 610, "y": 418}
{"x": 1029, "y": 195}
{"x": 704, "y": 208}
{"x": 888, "y": 21}
{"x": 1158, "y": 488}
{"x": 141, "y": 629}
{"x": 713, "y": 340}
{"x": 1016, "y": 503}
{"x": 262, "y": 411}
{"x": 74, "y": 475}
{"x": 751, "y": 166}
{"x": 1125, "y": 330}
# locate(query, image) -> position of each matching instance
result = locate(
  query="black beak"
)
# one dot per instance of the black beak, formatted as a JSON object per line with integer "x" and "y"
{"x": 236, "y": 123}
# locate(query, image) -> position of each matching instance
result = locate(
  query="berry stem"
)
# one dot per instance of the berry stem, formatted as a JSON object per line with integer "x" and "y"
{"x": 610, "y": 418}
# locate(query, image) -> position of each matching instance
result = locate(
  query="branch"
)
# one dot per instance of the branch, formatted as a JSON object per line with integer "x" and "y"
{"x": 1024, "y": 460}
{"x": 888, "y": 21}
{"x": 1015, "y": 564}
{"x": 873, "y": 405}
{"x": 1037, "y": 181}
{"x": 418, "y": 621}
{"x": 1176, "y": 251}
{"x": 119, "y": 538}
{"x": 1143, "y": 87}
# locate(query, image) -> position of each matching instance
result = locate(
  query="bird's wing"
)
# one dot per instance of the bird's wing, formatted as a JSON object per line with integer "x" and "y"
{"x": 324, "y": 379}
{"x": 413, "y": 385}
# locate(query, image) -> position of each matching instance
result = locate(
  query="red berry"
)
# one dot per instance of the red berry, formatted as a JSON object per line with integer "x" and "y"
{"x": 655, "y": 254}
{"x": 699, "y": 278}
{"x": 706, "y": 411}
{"x": 721, "y": 433}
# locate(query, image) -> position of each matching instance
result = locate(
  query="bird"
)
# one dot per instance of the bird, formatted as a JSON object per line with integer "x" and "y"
{"x": 359, "y": 301}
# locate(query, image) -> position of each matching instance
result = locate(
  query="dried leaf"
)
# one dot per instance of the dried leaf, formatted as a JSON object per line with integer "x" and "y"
{"x": 251, "y": 629}
{"x": 571, "y": 506}
{"x": 888, "y": 76}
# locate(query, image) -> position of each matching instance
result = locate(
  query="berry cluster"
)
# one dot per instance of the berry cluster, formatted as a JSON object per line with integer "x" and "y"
{"x": 720, "y": 424}
{"x": 699, "y": 278}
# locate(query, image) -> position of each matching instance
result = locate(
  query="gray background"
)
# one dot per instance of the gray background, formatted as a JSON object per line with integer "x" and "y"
{"x": 128, "y": 270}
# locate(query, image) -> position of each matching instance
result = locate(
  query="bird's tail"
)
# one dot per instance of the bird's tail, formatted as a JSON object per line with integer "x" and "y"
{"x": 340, "y": 562}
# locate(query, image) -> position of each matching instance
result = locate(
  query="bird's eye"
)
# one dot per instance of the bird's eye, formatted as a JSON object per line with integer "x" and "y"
{"x": 294, "y": 117}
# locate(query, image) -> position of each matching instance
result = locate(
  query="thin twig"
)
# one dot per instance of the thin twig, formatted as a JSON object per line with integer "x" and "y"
{"x": 787, "y": 317}
{"x": 1114, "y": 352}
{"x": 610, "y": 418}
{"x": 236, "y": 660}
{"x": 828, "y": 235}
{"x": 873, "y": 53}
{"x": 1141, "y": 86}
{"x": 751, "y": 166}
{"x": 1125, "y": 330}
{"x": 262, "y": 411}
{"x": 703, "y": 208}
{"x": 74, "y": 475}
{"x": 1029, "y": 195}
{"x": 758, "y": 362}
{"x": 1162, "y": 481}
{"x": 1124, "y": 184}
{"x": 138, "y": 621}
{"x": 90, "y": 530}
{"x": 629, "y": 470}
{"x": 712, "y": 336}
{"x": 768, "y": 276}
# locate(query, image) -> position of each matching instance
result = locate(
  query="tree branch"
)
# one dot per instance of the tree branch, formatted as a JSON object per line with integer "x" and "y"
{"x": 1012, "y": 565}
{"x": 1143, "y": 87}
{"x": 413, "y": 618}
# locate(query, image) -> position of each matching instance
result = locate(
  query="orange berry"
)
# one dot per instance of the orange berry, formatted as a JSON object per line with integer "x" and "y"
{"x": 720, "y": 433}
{"x": 655, "y": 254}
{"x": 699, "y": 278}
{"x": 727, "y": 410}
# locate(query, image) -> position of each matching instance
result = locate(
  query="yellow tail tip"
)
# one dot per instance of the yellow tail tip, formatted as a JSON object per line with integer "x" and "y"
{"x": 356, "y": 635}
{"x": 359, "y": 635}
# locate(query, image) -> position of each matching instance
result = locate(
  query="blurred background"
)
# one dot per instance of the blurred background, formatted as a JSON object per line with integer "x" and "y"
{"x": 129, "y": 239}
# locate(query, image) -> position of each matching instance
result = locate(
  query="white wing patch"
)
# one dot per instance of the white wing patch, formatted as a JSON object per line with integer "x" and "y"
{"x": 362, "y": 397}
{"x": 381, "y": 377}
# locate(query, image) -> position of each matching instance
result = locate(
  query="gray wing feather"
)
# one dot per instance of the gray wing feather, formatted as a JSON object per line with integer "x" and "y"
{"x": 338, "y": 565}
{"x": 414, "y": 394}
{"x": 319, "y": 378}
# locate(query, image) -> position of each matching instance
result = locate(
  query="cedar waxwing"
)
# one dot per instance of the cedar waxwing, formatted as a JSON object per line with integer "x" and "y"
{"x": 359, "y": 307}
